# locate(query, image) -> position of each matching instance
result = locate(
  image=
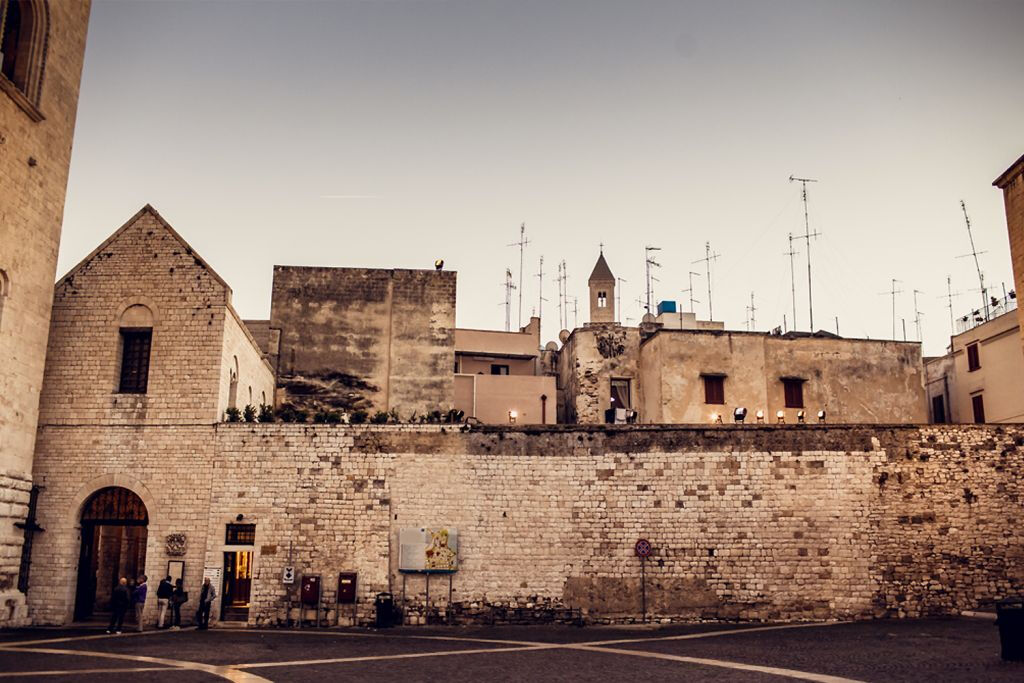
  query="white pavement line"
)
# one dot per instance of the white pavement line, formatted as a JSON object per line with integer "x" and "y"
{"x": 409, "y": 655}
{"x": 64, "y": 672}
{"x": 715, "y": 634}
{"x": 228, "y": 672}
{"x": 400, "y": 636}
{"x": 775, "y": 671}
{"x": 66, "y": 639}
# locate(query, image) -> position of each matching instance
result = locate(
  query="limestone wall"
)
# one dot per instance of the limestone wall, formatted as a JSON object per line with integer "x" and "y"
{"x": 747, "y": 522}
{"x": 35, "y": 152}
{"x": 1011, "y": 182}
{"x": 241, "y": 355}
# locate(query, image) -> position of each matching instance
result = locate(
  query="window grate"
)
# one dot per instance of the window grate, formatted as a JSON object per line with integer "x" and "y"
{"x": 240, "y": 534}
{"x": 135, "y": 361}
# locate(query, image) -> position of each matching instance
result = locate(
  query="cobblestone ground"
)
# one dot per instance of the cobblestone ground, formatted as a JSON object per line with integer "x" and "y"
{"x": 911, "y": 650}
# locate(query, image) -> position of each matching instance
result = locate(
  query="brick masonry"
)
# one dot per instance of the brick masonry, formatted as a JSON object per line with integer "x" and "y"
{"x": 747, "y": 522}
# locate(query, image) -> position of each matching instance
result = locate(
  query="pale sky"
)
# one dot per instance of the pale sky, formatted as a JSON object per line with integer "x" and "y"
{"x": 388, "y": 133}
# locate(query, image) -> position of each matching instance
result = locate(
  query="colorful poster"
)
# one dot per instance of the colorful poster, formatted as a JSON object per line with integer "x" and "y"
{"x": 428, "y": 549}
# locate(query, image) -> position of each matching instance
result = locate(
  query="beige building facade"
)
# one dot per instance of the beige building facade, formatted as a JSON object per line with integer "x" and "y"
{"x": 1011, "y": 182}
{"x": 43, "y": 47}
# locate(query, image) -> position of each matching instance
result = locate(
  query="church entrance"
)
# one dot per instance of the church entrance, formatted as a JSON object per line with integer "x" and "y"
{"x": 114, "y": 522}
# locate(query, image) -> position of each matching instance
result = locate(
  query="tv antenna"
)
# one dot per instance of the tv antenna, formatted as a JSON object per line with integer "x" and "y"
{"x": 751, "y": 310}
{"x": 808, "y": 235}
{"x": 509, "y": 286}
{"x": 708, "y": 258}
{"x": 540, "y": 290}
{"x": 648, "y": 262}
{"x": 975, "y": 253}
{"x": 575, "y": 312}
{"x": 522, "y": 245}
{"x": 893, "y": 292}
{"x": 690, "y": 291}
{"x": 949, "y": 296}
{"x": 917, "y": 315}
{"x": 618, "y": 296}
{"x": 792, "y": 275}
{"x": 561, "y": 299}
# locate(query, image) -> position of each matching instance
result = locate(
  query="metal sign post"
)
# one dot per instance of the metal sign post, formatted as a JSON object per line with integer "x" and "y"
{"x": 643, "y": 551}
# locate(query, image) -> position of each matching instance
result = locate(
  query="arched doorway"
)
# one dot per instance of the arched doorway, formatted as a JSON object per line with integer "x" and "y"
{"x": 114, "y": 522}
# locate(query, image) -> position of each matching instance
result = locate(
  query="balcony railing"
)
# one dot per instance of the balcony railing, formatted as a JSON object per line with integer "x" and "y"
{"x": 997, "y": 306}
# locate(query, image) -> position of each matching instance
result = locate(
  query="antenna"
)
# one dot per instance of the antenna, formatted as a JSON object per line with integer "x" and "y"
{"x": 893, "y": 292}
{"x": 540, "y": 290}
{"x": 690, "y": 291}
{"x": 649, "y": 261}
{"x": 618, "y": 295}
{"x": 807, "y": 236}
{"x": 565, "y": 291}
{"x": 708, "y": 258}
{"x": 509, "y": 286}
{"x": 792, "y": 275}
{"x": 949, "y": 296}
{"x": 521, "y": 244}
{"x": 917, "y": 315}
{"x": 575, "y": 312}
{"x": 751, "y": 310}
{"x": 977, "y": 265}
{"x": 561, "y": 318}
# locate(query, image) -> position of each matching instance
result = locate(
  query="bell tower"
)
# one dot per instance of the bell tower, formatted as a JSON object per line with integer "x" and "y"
{"x": 602, "y": 292}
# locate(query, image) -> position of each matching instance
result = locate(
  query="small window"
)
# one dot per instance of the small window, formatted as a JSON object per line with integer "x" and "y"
{"x": 620, "y": 394}
{"x": 973, "y": 362}
{"x": 240, "y": 534}
{"x": 499, "y": 369}
{"x": 794, "y": 390}
{"x": 714, "y": 389}
{"x": 938, "y": 410}
{"x": 978, "y": 404}
{"x": 602, "y": 299}
{"x": 135, "y": 347}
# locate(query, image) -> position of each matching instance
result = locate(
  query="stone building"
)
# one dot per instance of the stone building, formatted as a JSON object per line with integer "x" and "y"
{"x": 673, "y": 368}
{"x": 42, "y": 45}
{"x": 1011, "y": 182}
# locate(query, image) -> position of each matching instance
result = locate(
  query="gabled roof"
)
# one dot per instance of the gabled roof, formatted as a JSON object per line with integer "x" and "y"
{"x": 601, "y": 272}
{"x": 131, "y": 221}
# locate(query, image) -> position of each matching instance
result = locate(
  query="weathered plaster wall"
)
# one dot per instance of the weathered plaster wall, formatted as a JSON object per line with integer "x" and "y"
{"x": 355, "y": 338}
{"x": 855, "y": 381}
{"x": 588, "y": 361}
{"x": 34, "y": 158}
{"x": 747, "y": 522}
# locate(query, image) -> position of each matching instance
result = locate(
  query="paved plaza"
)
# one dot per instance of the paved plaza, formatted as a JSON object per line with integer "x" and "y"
{"x": 965, "y": 649}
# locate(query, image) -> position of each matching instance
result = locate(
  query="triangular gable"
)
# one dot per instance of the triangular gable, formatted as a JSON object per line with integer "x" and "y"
{"x": 602, "y": 273}
{"x": 131, "y": 221}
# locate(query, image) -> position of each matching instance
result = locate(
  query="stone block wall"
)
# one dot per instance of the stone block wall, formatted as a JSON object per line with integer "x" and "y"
{"x": 35, "y": 152}
{"x": 1011, "y": 182}
{"x": 242, "y": 356}
{"x": 759, "y": 523}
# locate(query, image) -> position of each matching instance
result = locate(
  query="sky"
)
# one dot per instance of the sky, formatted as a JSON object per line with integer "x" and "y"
{"x": 390, "y": 133}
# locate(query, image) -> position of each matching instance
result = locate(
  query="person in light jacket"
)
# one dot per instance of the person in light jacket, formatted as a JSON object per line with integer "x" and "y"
{"x": 206, "y": 597}
{"x": 163, "y": 598}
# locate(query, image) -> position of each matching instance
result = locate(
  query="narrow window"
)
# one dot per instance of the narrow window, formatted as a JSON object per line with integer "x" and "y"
{"x": 23, "y": 38}
{"x": 973, "y": 361}
{"x": 714, "y": 389}
{"x": 602, "y": 299}
{"x": 938, "y": 410}
{"x": 499, "y": 369}
{"x": 794, "y": 390}
{"x": 4, "y": 291}
{"x": 620, "y": 394}
{"x": 135, "y": 347}
{"x": 240, "y": 534}
{"x": 978, "y": 404}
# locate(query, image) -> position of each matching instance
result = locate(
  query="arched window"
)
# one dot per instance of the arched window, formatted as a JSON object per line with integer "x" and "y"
{"x": 136, "y": 329}
{"x": 5, "y": 291}
{"x": 602, "y": 299}
{"x": 24, "y": 25}
{"x": 233, "y": 386}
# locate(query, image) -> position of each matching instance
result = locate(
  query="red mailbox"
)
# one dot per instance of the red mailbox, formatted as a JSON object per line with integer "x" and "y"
{"x": 310, "y": 593}
{"x": 346, "y": 589}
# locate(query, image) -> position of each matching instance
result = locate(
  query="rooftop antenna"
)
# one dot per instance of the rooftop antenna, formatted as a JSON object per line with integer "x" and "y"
{"x": 893, "y": 292}
{"x": 521, "y": 244}
{"x": 977, "y": 265}
{"x": 689, "y": 290}
{"x": 708, "y": 258}
{"x": 792, "y": 275}
{"x": 561, "y": 298}
{"x": 751, "y": 310}
{"x": 565, "y": 291}
{"x": 540, "y": 290}
{"x": 618, "y": 295}
{"x": 807, "y": 236}
{"x": 648, "y": 262}
{"x": 509, "y": 286}
{"x": 948, "y": 296}
{"x": 575, "y": 312}
{"x": 917, "y": 315}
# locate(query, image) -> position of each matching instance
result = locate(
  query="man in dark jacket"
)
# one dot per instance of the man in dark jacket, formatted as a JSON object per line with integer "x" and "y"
{"x": 163, "y": 597}
{"x": 206, "y": 597}
{"x": 119, "y": 600}
{"x": 139, "y": 600}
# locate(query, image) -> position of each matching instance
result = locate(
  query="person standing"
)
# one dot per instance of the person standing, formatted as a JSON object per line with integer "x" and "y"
{"x": 206, "y": 597}
{"x": 163, "y": 597}
{"x": 119, "y": 600}
{"x": 178, "y": 598}
{"x": 139, "y": 600}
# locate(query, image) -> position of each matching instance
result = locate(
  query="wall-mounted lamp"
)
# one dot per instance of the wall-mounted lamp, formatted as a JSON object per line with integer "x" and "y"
{"x": 240, "y": 517}
{"x": 739, "y": 415}
{"x": 780, "y": 417}
{"x": 800, "y": 417}
{"x": 716, "y": 418}
{"x": 512, "y": 415}
{"x": 821, "y": 416}
{"x": 760, "y": 416}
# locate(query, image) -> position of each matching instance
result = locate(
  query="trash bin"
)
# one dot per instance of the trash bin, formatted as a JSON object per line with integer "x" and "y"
{"x": 385, "y": 604}
{"x": 1010, "y": 620}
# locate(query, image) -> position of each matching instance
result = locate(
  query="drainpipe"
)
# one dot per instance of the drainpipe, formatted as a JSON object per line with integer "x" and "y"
{"x": 543, "y": 409}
